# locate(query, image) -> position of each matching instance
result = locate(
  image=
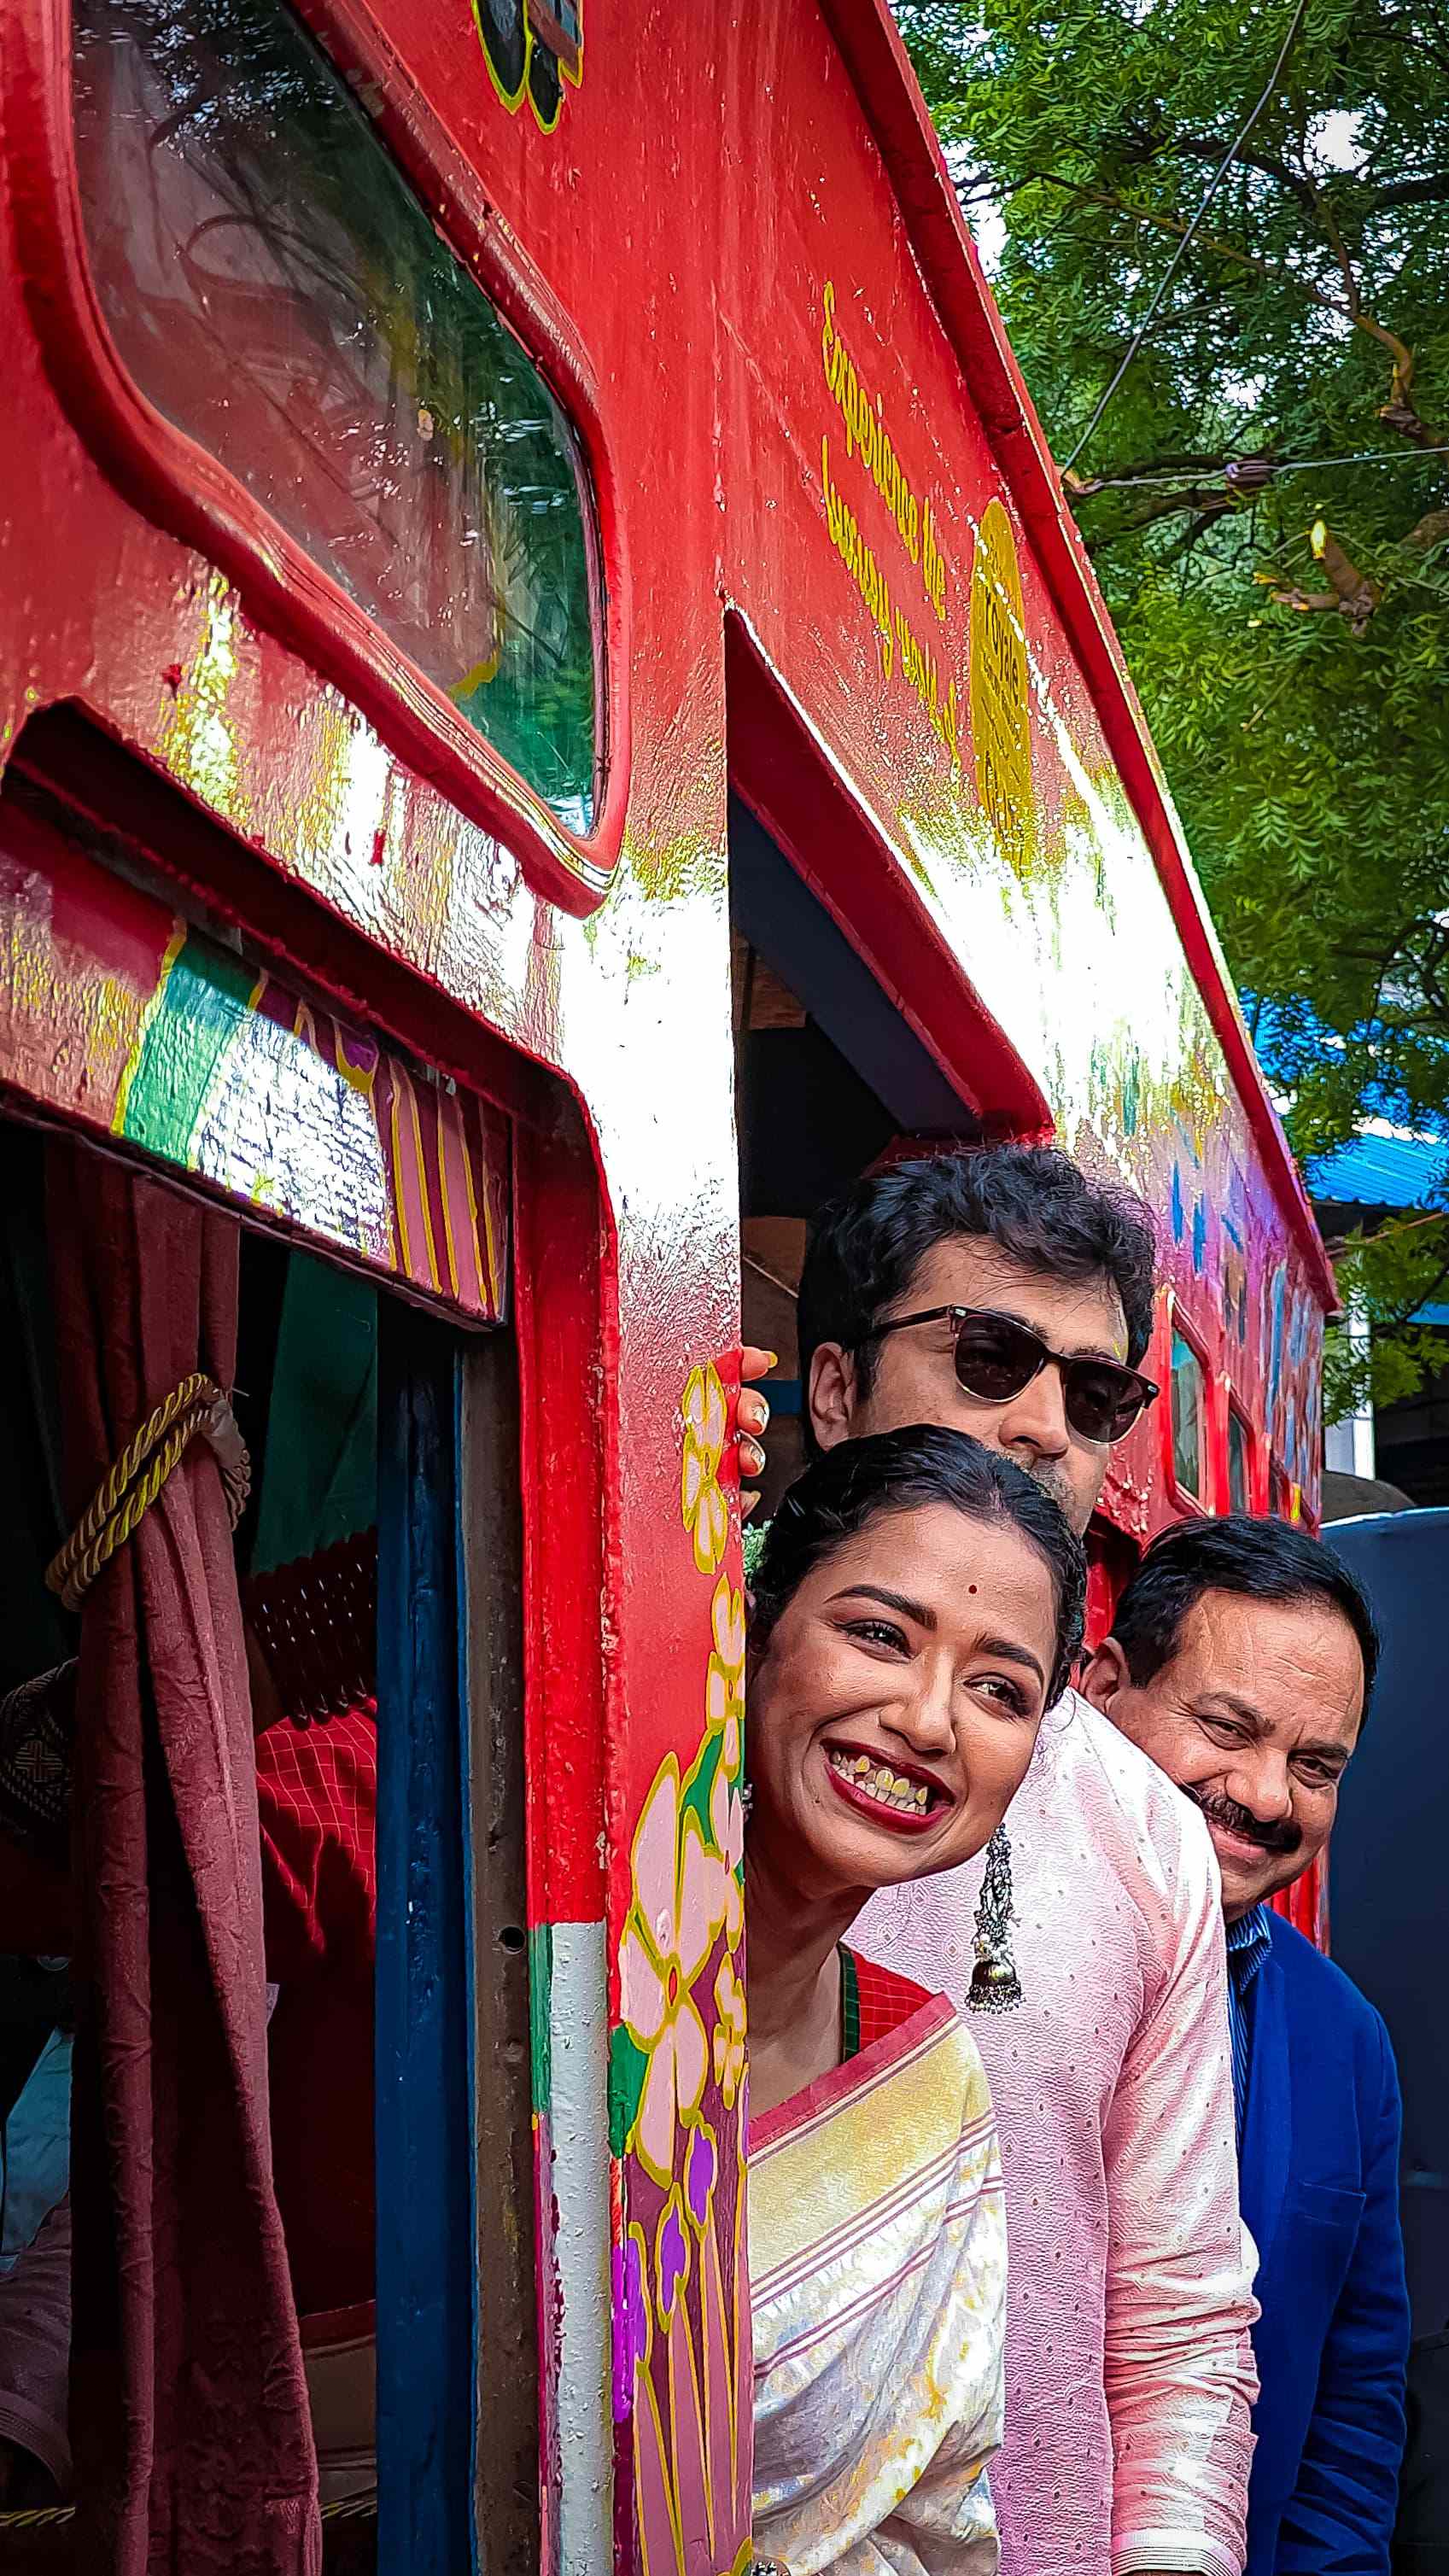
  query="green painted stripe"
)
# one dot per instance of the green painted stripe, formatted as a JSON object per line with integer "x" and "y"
{"x": 849, "y": 2005}
{"x": 205, "y": 1001}
{"x": 540, "y": 2025}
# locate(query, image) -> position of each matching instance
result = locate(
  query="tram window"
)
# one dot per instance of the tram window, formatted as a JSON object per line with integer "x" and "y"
{"x": 1280, "y": 1492}
{"x": 1187, "y": 1416}
{"x": 276, "y": 290}
{"x": 1239, "y": 1454}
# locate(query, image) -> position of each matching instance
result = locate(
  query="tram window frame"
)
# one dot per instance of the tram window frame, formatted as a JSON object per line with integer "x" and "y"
{"x": 1192, "y": 1498}
{"x": 191, "y": 494}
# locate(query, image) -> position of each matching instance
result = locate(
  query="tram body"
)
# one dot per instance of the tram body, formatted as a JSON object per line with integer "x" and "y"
{"x": 512, "y": 515}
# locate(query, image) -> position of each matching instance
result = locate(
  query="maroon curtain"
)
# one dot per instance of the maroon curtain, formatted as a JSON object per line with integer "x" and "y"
{"x": 190, "y": 2429}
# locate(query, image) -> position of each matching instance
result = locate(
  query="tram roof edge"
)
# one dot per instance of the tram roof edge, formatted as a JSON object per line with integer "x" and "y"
{"x": 896, "y": 112}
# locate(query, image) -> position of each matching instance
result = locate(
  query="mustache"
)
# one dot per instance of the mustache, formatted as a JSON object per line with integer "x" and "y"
{"x": 1047, "y": 1474}
{"x": 1283, "y": 1839}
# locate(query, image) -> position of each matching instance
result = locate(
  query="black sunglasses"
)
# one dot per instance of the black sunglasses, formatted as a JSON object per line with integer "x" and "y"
{"x": 996, "y": 1357}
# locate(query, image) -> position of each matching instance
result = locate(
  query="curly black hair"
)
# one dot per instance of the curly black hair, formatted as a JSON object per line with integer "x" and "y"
{"x": 1033, "y": 1202}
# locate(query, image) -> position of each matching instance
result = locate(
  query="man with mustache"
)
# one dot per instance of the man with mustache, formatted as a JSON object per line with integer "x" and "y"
{"x": 1003, "y": 1293}
{"x": 1241, "y": 1659}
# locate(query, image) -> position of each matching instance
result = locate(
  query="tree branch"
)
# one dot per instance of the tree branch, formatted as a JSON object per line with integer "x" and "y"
{"x": 1432, "y": 189}
{"x": 1208, "y": 147}
{"x": 1194, "y": 535}
{"x": 1430, "y": 531}
{"x": 1351, "y": 592}
{"x": 1210, "y": 502}
{"x": 1398, "y": 411}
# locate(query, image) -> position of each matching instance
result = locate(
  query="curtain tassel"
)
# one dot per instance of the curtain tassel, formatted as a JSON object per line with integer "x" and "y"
{"x": 195, "y": 1408}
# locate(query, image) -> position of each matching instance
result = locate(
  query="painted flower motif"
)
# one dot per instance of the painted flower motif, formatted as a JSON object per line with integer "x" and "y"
{"x": 724, "y": 1688}
{"x": 671, "y": 2255}
{"x": 702, "y": 1505}
{"x": 701, "y": 2169}
{"x": 727, "y": 1824}
{"x": 631, "y": 2311}
{"x": 679, "y": 1903}
{"x": 729, "y": 2030}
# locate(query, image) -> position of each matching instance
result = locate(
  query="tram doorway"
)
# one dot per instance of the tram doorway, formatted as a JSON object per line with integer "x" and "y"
{"x": 372, "y": 1590}
{"x": 829, "y": 1075}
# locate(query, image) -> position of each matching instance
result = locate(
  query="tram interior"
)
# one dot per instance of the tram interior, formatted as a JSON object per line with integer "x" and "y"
{"x": 828, "y": 1077}
{"x": 378, "y": 1559}
{"x": 306, "y": 1564}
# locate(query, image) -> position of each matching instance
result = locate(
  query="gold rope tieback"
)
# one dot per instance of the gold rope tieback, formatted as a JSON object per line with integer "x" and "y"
{"x": 196, "y": 1406}
{"x": 48, "y": 2517}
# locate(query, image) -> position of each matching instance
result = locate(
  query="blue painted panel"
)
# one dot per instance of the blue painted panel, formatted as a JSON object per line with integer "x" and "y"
{"x": 425, "y": 2216}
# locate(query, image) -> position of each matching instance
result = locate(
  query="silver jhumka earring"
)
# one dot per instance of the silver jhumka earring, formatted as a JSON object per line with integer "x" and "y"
{"x": 995, "y": 1985}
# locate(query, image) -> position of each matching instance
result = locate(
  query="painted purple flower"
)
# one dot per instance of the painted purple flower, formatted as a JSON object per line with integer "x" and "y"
{"x": 672, "y": 2255}
{"x": 700, "y": 2167}
{"x": 631, "y": 2321}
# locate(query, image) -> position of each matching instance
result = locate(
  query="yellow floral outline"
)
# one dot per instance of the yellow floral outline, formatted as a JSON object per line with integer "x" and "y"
{"x": 702, "y": 1506}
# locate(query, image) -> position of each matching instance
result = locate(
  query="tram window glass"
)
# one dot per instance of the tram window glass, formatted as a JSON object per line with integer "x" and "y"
{"x": 1280, "y": 1492}
{"x": 1239, "y": 1486}
{"x": 1187, "y": 1413}
{"x": 275, "y": 289}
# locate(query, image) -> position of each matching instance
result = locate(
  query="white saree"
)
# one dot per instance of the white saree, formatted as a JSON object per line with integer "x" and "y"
{"x": 878, "y": 2290}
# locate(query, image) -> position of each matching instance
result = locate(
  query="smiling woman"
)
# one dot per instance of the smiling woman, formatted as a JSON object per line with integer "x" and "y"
{"x": 917, "y": 1608}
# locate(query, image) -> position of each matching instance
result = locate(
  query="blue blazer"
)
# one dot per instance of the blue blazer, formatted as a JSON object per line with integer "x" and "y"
{"x": 1320, "y": 2186}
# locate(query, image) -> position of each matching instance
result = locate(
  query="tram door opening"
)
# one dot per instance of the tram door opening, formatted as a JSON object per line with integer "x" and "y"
{"x": 373, "y": 1579}
{"x": 828, "y": 1077}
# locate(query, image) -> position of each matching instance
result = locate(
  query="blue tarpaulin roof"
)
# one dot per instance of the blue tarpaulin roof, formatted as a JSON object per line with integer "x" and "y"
{"x": 1379, "y": 1171}
{"x": 1383, "y": 1172}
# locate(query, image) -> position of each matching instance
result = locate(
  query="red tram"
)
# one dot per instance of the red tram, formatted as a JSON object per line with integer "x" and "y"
{"x": 551, "y": 708}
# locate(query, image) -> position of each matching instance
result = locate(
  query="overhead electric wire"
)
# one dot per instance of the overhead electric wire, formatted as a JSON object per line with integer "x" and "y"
{"x": 1178, "y": 256}
{"x": 1190, "y": 475}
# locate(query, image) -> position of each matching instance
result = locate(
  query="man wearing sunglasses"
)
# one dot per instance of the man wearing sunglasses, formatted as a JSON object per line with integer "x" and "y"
{"x": 1002, "y": 1293}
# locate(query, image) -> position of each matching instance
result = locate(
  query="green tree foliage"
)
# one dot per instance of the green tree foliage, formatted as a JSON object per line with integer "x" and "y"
{"x": 1288, "y": 631}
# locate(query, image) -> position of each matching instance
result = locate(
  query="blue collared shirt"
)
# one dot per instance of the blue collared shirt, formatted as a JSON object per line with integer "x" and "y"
{"x": 1249, "y": 1940}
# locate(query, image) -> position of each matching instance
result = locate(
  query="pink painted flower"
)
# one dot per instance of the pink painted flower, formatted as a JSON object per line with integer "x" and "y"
{"x": 702, "y": 1505}
{"x": 679, "y": 1905}
{"x": 729, "y": 2030}
{"x": 727, "y": 1824}
{"x": 724, "y": 1689}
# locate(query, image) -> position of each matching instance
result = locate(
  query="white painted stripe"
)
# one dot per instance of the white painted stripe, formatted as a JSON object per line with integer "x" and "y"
{"x": 579, "y": 2122}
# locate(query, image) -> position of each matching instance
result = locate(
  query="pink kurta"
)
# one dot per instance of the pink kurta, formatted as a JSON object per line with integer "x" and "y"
{"x": 1129, "y": 2298}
